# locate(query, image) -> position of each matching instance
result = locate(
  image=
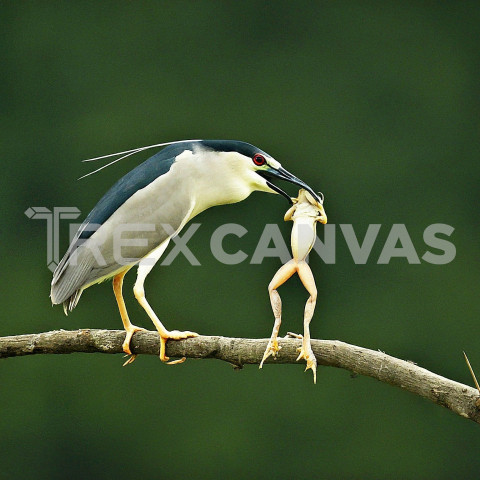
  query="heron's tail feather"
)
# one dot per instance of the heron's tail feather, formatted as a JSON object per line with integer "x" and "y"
{"x": 68, "y": 284}
{"x": 71, "y": 303}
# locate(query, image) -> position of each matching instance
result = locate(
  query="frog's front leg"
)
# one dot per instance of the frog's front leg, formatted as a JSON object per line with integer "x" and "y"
{"x": 306, "y": 351}
{"x": 282, "y": 275}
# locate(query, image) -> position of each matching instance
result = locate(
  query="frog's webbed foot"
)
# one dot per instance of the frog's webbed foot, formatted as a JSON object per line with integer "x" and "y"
{"x": 306, "y": 353}
{"x": 272, "y": 349}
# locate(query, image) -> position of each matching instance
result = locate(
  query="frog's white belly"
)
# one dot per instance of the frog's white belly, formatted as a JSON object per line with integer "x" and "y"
{"x": 303, "y": 237}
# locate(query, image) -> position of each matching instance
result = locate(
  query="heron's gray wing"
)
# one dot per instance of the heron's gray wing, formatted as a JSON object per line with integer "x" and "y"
{"x": 136, "y": 179}
{"x": 143, "y": 196}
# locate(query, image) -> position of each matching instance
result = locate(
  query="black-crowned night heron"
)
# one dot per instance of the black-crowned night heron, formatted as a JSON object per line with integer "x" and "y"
{"x": 151, "y": 204}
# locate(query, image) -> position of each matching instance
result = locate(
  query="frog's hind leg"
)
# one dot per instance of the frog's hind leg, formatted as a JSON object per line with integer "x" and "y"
{"x": 306, "y": 351}
{"x": 282, "y": 275}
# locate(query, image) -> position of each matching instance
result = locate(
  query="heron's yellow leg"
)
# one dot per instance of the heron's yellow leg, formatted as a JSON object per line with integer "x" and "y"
{"x": 163, "y": 332}
{"x": 129, "y": 327}
{"x": 143, "y": 270}
{"x": 282, "y": 275}
{"x": 306, "y": 351}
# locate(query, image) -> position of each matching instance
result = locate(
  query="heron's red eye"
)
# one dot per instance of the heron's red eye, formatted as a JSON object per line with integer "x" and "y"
{"x": 259, "y": 159}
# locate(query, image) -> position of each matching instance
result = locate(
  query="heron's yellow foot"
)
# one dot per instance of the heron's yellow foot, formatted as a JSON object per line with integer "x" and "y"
{"x": 173, "y": 335}
{"x": 272, "y": 349}
{"x": 306, "y": 353}
{"x": 126, "y": 344}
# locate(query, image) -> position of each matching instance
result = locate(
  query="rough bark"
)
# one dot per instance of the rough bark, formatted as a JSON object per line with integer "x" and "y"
{"x": 461, "y": 399}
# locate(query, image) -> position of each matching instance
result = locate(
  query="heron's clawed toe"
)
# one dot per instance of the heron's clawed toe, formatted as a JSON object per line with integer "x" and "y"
{"x": 306, "y": 353}
{"x": 129, "y": 360}
{"x": 173, "y": 335}
{"x": 176, "y": 362}
{"x": 272, "y": 349}
{"x": 178, "y": 335}
{"x": 128, "y": 338}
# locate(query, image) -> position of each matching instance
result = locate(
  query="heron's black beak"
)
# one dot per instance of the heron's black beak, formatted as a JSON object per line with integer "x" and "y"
{"x": 282, "y": 174}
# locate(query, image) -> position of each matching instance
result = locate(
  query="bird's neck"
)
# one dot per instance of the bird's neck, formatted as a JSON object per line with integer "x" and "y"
{"x": 216, "y": 180}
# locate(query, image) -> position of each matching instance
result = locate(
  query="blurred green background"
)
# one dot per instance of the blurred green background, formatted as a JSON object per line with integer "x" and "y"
{"x": 374, "y": 103}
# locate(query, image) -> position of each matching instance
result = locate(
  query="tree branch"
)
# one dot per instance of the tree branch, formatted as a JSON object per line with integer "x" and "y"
{"x": 461, "y": 399}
